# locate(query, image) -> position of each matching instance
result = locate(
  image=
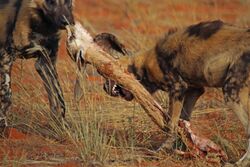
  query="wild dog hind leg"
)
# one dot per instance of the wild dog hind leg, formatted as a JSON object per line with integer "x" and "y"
{"x": 5, "y": 87}
{"x": 237, "y": 102}
{"x": 236, "y": 93}
{"x": 244, "y": 98}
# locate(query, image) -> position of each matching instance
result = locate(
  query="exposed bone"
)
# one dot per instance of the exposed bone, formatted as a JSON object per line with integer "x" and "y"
{"x": 114, "y": 89}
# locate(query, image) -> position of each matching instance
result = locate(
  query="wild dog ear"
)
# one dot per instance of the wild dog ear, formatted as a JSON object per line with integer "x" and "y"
{"x": 110, "y": 43}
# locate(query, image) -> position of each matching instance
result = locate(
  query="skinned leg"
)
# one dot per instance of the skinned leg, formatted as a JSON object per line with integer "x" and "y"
{"x": 5, "y": 88}
{"x": 191, "y": 96}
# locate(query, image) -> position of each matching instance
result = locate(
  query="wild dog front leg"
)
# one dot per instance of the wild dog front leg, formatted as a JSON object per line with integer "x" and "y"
{"x": 46, "y": 55}
{"x": 176, "y": 96}
{"x": 48, "y": 73}
{"x": 5, "y": 87}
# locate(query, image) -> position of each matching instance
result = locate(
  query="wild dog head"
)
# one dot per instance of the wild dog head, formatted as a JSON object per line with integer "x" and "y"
{"x": 144, "y": 67}
{"x": 140, "y": 73}
{"x": 55, "y": 12}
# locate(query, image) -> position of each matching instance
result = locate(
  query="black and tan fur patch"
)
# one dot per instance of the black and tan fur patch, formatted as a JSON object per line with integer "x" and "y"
{"x": 180, "y": 61}
{"x": 29, "y": 23}
{"x": 207, "y": 54}
{"x": 204, "y": 30}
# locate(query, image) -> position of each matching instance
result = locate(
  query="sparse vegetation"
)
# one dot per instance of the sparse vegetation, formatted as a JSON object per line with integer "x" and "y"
{"x": 106, "y": 131}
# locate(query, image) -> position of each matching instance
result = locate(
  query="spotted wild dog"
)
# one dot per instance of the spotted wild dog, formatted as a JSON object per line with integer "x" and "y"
{"x": 183, "y": 62}
{"x": 24, "y": 25}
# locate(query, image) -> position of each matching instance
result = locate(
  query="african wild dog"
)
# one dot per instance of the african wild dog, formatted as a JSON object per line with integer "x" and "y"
{"x": 207, "y": 54}
{"x": 25, "y": 24}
